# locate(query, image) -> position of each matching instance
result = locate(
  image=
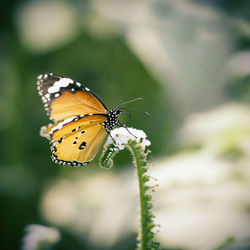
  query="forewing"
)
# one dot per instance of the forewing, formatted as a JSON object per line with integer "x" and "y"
{"x": 64, "y": 98}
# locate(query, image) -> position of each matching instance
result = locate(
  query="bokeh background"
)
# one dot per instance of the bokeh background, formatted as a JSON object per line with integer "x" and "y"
{"x": 190, "y": 61}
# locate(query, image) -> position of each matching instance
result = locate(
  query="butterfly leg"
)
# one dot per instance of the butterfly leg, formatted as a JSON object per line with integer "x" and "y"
{"x": 121, "y": 125}
{"x": 111, "y": 136}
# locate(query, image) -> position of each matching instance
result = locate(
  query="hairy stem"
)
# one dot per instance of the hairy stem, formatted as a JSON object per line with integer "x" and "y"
{"x": 139, "y": 154}
{"x": 143, "y": 209}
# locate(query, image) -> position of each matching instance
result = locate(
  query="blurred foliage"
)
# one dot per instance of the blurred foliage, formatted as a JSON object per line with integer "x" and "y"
{"x": 240, "y": 89}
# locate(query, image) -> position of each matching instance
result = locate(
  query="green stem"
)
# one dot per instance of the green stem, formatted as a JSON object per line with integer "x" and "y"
{"x": 146, "y": 236}
{"x": 143, "y": 209}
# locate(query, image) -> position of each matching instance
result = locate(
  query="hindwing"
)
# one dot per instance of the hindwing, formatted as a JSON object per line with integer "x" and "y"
{"x": 76, "y": 141}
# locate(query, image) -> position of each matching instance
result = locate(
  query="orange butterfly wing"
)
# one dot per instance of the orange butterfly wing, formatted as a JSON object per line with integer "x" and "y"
{"x": 78, "y": 115}
{"x": 81, "y": 120}
{"x": 77, "y": 141}
{"x": 64, "y": 98}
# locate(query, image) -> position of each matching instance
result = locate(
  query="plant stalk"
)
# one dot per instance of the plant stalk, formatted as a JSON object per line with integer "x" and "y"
{"x": 139, "y": 153}
{"x": 143, "y": 235}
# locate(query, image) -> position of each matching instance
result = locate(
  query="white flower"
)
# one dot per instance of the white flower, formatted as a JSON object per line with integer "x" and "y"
{"x": 40, "y": 237}
{"x": 122, "y": 135}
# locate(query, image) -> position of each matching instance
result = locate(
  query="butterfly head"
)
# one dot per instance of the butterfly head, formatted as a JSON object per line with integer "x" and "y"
{"x": 112, "y": 120}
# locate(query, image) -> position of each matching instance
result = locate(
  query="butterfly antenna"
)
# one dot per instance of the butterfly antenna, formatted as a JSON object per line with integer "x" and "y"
{"x": 137, "y": 110}
{"x": 134, "y": 100}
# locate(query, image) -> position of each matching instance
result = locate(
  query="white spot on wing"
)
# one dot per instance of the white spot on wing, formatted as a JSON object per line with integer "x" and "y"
{"x": 42, "y": 132}
{"x": 61, "y": 124}
{"x": 63, "y": 82}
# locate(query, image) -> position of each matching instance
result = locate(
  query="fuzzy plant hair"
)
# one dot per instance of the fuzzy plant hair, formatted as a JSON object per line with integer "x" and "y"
{"x": 136, "y": 142}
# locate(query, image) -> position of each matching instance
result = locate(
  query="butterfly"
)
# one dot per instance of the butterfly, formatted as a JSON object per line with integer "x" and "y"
{"x": 80, "y": 119}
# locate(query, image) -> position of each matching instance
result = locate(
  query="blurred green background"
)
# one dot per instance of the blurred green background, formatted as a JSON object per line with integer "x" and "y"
{"x": 190, "y": 61}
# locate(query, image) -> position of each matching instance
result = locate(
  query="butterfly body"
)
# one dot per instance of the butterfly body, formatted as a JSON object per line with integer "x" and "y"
{"x": 112, "y": 116}
{"x": 80, "y": 119}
